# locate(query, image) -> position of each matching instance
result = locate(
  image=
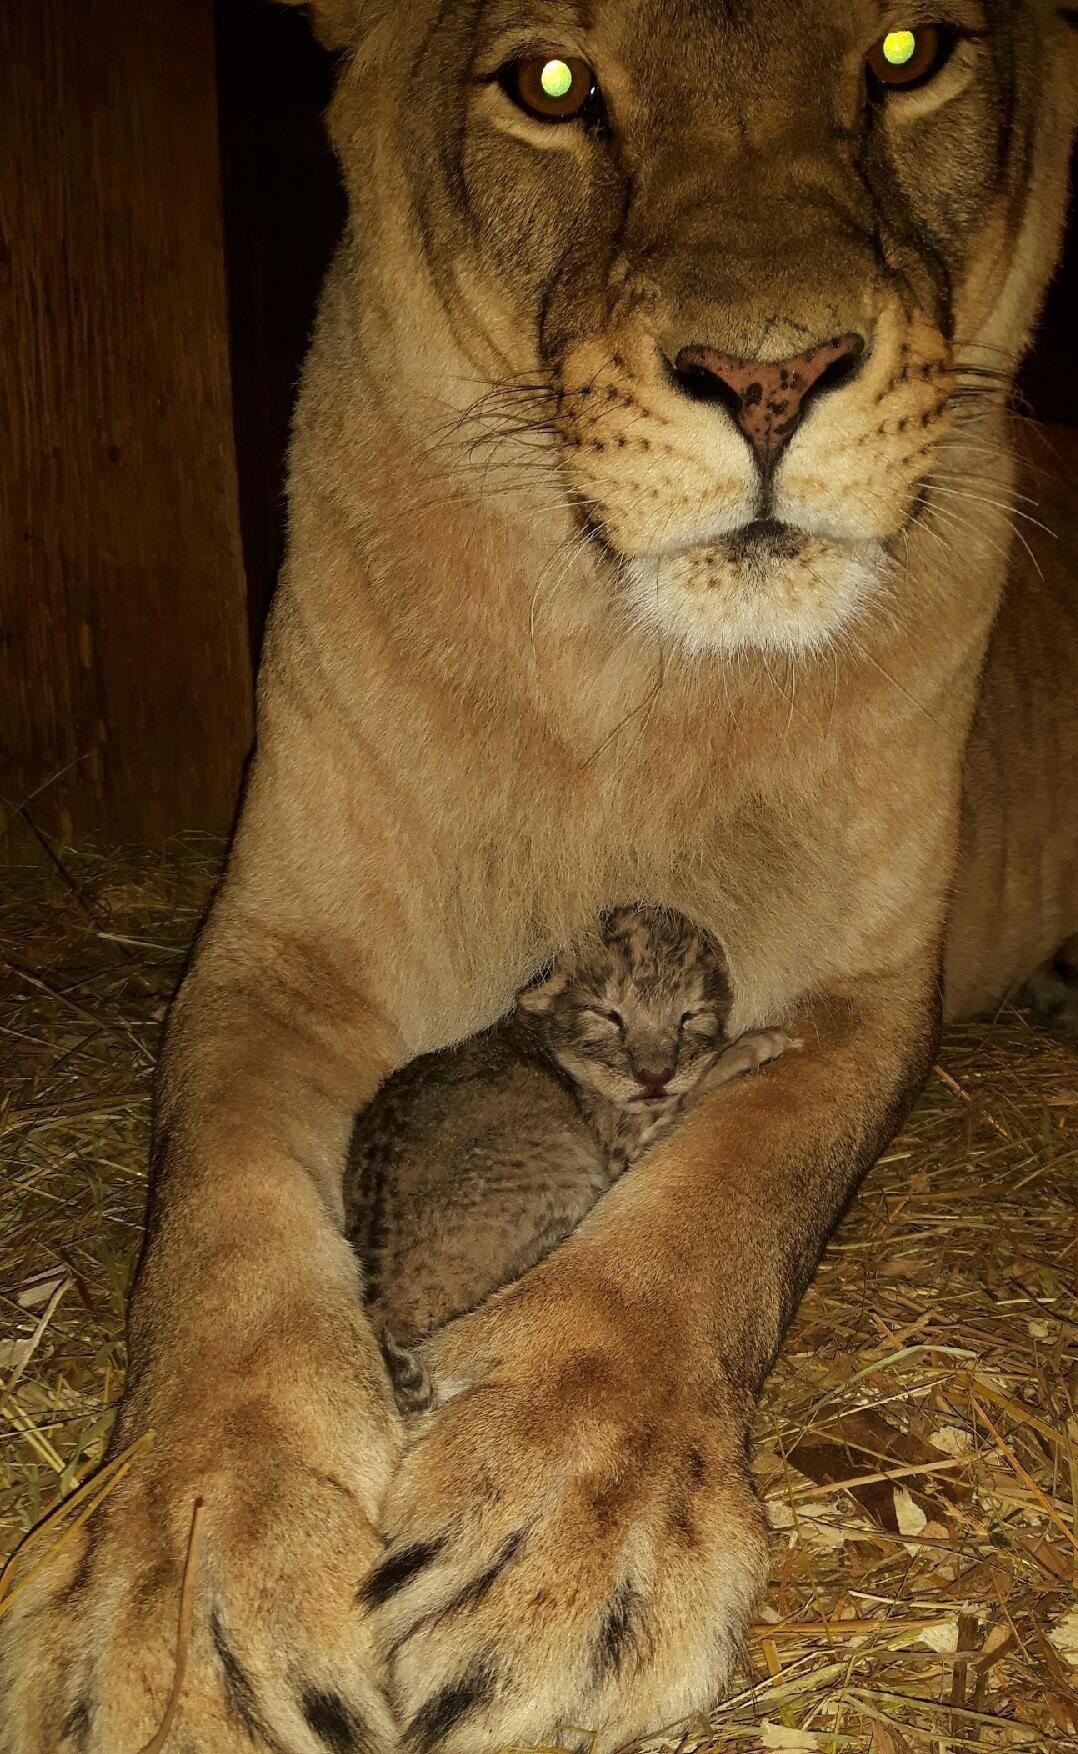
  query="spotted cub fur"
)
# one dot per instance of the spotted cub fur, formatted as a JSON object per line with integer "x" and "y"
{"x": 471, "y": 1165}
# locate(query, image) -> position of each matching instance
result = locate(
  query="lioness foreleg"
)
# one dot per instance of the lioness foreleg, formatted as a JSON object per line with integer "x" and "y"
{"x": 253, "y": 1364}
{"x": 575, "y": 1537}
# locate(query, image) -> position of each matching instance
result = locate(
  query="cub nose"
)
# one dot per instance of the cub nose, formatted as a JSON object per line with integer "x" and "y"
{"x": 653, "y": 1083}
{"x": 768, "y": 399}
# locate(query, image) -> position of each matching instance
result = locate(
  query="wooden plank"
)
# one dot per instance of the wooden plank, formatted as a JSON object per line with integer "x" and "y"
{"x": 125, "y": 688}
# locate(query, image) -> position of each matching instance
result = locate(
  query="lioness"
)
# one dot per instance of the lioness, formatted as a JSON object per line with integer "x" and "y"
{"x": 650, "y": 509}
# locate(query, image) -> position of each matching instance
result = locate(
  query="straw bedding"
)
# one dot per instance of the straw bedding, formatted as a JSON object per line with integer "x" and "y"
{"x": 917, "y": 1447}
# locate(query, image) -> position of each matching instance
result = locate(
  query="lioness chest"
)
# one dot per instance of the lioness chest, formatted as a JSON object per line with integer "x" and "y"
{"x": 809, "y": 858}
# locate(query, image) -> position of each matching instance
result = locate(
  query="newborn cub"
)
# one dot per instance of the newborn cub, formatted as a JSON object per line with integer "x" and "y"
{"x": 471, "y": 1165}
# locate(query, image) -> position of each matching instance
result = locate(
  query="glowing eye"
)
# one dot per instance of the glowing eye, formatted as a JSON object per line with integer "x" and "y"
{"x": 556, "y": 80}
{"x": 899, "y": 46}
{"x": 905, "y": 58}
{"x": 551, "y": 89}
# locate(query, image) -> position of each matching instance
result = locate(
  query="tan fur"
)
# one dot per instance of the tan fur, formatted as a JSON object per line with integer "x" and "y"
{"x": 521, "y": 668}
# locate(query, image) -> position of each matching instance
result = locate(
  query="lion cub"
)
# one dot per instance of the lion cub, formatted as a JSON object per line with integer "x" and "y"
{"x": 471, "y": 1165}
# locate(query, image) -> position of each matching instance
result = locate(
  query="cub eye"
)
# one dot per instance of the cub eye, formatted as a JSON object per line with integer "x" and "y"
{"x": 551, "y": 89}
{"x": 611, "y": 1017}
{"x": 906, "y": 58}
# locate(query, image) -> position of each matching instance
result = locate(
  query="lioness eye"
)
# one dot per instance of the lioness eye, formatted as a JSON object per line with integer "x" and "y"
{"x": 905, "y": 58}
{"x": 551, "y": 89}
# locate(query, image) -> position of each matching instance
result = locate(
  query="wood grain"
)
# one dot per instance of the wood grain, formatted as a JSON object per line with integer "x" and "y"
{"x": 125, "y": 691}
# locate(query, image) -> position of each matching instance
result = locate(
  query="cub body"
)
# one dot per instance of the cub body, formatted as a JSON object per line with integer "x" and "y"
{"x": 472, "y": 1164}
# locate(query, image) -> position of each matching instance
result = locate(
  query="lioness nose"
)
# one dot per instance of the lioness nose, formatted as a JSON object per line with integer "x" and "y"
{"x": 768, "y": 399}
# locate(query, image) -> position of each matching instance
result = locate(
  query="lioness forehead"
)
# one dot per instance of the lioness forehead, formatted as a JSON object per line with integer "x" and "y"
{"x": 712, "y": 78}
{"x": 801, "y": 32}
{"x": 695, "y": 20}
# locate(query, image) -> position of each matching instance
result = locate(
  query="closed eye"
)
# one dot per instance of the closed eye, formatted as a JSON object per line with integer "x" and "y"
{"x": 614, "y": 1017}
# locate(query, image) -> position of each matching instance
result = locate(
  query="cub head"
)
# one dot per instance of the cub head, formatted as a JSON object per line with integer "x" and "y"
{"x": 636, "y": 1018}
{"x": 731, "y": 278}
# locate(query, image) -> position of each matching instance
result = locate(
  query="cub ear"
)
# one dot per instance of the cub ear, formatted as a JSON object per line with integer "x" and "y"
{"x": 538, "y": 1000}
{"x": 716, "y": 951}
{"x": 339, "y": 23}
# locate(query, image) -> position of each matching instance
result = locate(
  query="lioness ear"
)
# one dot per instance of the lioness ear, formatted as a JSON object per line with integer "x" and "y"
{"x": 338, "y": 23}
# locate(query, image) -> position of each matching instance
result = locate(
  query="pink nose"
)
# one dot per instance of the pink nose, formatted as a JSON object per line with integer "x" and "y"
{"x": 654, "y": 1083}
{"x": 768, "y": 398}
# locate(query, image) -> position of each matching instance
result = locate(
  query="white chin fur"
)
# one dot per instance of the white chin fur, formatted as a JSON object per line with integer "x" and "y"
{"x": 710, "y": 605}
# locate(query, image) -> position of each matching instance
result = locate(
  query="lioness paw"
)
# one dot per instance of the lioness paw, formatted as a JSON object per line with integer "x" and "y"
{"x": 573, "y": 1543}
{"x": 277, "y": 1656}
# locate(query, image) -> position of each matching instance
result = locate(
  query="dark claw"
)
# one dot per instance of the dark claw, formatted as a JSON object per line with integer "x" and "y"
{"x": 333, "y": 1723}
{"x": 397, "y": 1571}
{"x": 475, "y": 1590}
{"x": 618, "y": 1633}
{"x": 433, "y": 1721}
{"x": 239, "y": 1689}
{"x": 77, "y": 1724}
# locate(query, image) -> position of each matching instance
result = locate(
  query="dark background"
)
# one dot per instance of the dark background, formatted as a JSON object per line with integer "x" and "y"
{"x": 165, "y": 222}
{"x": 284, "y": 209}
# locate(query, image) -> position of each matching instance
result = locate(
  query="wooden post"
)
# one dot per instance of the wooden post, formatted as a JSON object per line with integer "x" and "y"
{"x": 125, "y": 685}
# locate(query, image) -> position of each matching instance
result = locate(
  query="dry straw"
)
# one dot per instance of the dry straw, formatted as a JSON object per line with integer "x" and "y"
{"x": 918, "y": 1444}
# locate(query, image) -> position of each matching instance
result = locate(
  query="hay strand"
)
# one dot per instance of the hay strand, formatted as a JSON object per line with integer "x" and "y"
{"x": 183, "y": 1631}
{"x": 917, "y": 1447}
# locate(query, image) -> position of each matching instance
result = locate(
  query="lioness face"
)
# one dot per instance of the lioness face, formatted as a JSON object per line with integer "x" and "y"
{"x": 741, "y": 261}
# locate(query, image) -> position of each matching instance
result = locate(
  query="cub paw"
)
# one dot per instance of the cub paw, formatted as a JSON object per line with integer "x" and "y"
{"x": 749, "y": 1053}
{"x": 413, "y": 1385}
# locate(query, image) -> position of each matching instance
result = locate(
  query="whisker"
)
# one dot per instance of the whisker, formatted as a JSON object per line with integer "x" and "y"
{"x": 968, "y": 476}
{"x": 966, "y": 527}
{"x": 998, "y": 505}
